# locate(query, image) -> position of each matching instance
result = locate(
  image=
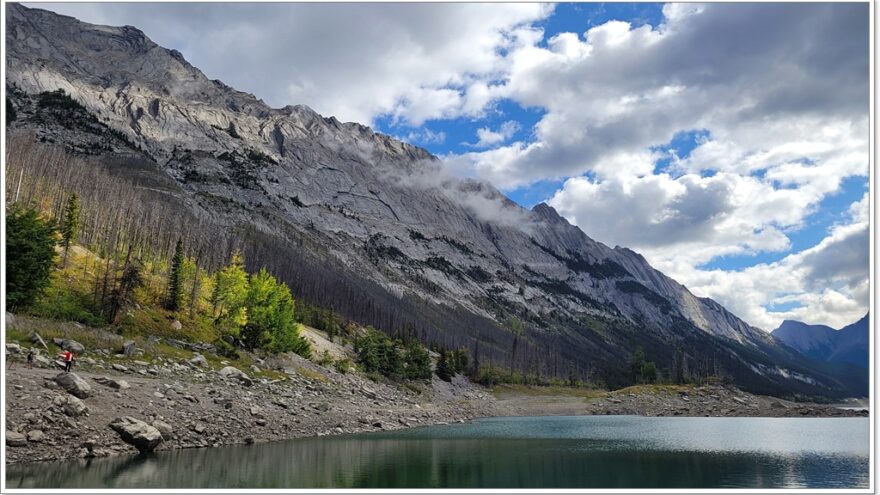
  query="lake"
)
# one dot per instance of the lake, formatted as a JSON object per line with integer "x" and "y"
{"x": 520, "y": 452}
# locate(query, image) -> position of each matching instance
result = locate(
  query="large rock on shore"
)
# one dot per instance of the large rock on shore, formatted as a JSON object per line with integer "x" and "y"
{"x": 73, "y": 384}
{"x": 135, "y": 432}
{"x": 164, "y": 428}
{"x": 198, "y": 360}
{"x": 71, "y": 405}
{"x": 232, "y": 372}
{"x": 15, "y": 439}
{"x": 113, "y": 383}
{"x": 73, "y": 346}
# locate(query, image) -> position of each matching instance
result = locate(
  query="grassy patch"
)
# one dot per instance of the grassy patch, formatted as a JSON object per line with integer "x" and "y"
{"x": 502, "y": 390}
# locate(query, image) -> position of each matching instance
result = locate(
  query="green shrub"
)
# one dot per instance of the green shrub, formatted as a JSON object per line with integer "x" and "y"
{"x": 343, "y": 365}
{"x": 61, "y": 303}
{"x": 325, "y": 359}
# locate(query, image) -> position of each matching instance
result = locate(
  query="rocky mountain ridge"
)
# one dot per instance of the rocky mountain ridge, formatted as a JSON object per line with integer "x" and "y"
{"x": 379, "y": 210}
{"x": 846, "y": 345}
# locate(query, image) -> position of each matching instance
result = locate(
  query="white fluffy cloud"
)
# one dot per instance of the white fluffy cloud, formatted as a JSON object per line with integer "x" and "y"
{"x": 828, "y": 282}
{"x": 762, "y": 78}
{"x": 486, "y": 137}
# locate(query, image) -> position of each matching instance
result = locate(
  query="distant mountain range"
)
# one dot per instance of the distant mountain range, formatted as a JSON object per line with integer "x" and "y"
{"x": 847, "y": 345}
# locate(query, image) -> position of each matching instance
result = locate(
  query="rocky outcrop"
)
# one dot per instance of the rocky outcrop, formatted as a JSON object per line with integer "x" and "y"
{"x": 73, "y": 384}
{"x": 135, "y": 432}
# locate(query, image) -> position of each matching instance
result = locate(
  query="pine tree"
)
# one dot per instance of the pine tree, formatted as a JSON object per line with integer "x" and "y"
{"x": 444, "y": 369}
{"x": 175, "y": 279}
{"x": 69, "y": 224}
{"x": 30, "y": 252}
{"x": 418, "y": 362}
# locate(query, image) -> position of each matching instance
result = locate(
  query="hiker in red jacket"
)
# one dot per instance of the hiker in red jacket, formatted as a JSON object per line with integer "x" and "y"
{"x": 68, "y": 361}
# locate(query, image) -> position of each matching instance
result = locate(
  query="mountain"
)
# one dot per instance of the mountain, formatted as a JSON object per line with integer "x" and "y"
{"x": 847, "y": 345}
{"x": 370, "y": 225}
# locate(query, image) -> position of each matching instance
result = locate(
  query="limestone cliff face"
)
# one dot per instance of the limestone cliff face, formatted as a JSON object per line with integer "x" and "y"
{"x": 381, "y": 207}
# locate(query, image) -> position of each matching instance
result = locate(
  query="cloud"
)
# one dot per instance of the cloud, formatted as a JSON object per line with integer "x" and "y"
{"x": 413, "y": 62}
{"x": 733, "y": 69}
{"x": 487, "y": 137}
{"x": 477, "y": 196}
{"x": 828, "y": 282}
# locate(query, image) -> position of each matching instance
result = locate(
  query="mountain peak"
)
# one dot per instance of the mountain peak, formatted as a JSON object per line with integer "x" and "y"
{"x": 548, "y": 213}
{"x": 847, "y": 345}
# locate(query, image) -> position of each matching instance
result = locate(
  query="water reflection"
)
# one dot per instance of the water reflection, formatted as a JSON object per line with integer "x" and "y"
{"x": 599, "y": 453}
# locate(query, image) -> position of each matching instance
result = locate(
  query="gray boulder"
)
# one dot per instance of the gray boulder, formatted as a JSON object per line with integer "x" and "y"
{"x": 71, "y": 405}
{"x": 72, "y": 346}
{"x": 135, "y": 432}
{"x": 198, "y": 360}
{"x": 113, "y": 383}
{"x": 15, "y": 439}
{"x": 176, "y": 325}
{"x": 164, "y": 428}
{"x": 13, "y": 348}
{"x": 10, "y": 320}
{"x": 35, "y": 436}
{"x": 73, "y": 384}
{"x": 232, "y": 372}
{"x": 128, "y": 348}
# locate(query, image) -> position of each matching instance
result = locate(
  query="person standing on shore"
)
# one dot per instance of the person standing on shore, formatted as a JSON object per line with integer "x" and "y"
{"x": 68, "y": 361}
{"x": 30, "y": 359}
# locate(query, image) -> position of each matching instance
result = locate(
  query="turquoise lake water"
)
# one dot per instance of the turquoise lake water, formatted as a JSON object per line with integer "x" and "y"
{"x": 522, "y": 452}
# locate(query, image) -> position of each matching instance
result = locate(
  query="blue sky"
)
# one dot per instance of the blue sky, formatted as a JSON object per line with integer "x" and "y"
{"x": 725, "y": 142}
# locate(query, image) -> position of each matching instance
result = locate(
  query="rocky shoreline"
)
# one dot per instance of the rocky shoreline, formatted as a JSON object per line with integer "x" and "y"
{"x": 55, "y": 416}
{"x": 668, "y": 400}
{"x": 195, "y": 408}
